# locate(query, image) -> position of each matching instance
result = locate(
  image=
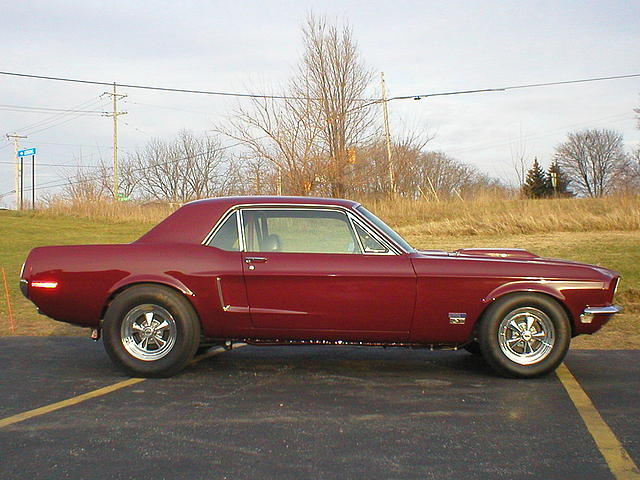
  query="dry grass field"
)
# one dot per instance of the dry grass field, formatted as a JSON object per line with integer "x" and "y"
{"x": 600, "y": 231}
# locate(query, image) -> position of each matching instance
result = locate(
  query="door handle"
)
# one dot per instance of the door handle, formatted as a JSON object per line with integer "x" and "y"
{"x": 255, "y": 259}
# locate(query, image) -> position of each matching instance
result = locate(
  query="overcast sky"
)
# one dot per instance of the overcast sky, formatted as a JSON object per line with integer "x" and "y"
{"x": 422, "y": 46}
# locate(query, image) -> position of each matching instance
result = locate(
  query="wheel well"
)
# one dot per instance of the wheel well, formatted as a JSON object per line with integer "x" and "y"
{"x": 117, "y": 292}
{"x": 511, "y": 294}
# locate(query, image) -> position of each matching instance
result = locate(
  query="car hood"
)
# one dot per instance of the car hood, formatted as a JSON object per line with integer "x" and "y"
{"x": 513, "y": 254}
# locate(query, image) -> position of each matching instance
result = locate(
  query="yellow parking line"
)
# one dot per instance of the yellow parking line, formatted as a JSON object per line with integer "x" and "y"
{"x": 68, "y": 402}
{"x": 93, "y": 394}
{"x": 619, "y": 461}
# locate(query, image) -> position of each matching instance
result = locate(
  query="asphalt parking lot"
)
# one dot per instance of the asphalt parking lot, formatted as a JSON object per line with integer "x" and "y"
{"x": 308, "y": 412}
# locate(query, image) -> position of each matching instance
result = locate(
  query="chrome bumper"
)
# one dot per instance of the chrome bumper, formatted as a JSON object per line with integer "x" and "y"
{"x": 589, "y": 312}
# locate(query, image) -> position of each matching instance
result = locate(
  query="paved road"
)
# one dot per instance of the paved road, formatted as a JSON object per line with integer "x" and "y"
{"x": 308, "y": 413}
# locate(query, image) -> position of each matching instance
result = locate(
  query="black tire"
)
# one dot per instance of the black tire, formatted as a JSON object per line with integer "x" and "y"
{"x": 524, "y": 335}
{"x": 164, "y": 315}
{"x": 473, "y": 348}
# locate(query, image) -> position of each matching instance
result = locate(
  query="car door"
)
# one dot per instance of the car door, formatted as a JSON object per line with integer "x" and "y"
{"x": 307, "y": 270}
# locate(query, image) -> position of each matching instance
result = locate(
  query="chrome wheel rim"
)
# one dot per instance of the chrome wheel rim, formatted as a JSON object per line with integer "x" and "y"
{"x": 526, "y": 336}
{"x": 148, "y": 332}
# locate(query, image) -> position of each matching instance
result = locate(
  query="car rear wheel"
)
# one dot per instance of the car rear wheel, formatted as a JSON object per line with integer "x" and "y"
{"x": 151, "y": 331}
{"x": 524, "y": 335}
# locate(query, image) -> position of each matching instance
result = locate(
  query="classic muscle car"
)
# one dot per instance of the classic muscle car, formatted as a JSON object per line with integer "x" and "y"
{"x": 302, "y": 271}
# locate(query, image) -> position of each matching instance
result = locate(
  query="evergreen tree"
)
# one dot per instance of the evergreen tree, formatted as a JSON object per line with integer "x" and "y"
{"x": 561, "y": 188}
{"x": 537, "y": 185}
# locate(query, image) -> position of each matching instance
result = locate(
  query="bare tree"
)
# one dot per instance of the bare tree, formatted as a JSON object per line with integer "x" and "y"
{"x": 84, "y": 184}
{"x": 283, "y": 133}
{"x": 306, "y": 138}
{"x": 518, "y": 162}
{"x": 446, "y": 177}
{"x": 334, "y": 76}
{"x": 128, "y": 177}
{"x": 185, "y": 169}
{"x": 627, "y": 178}
{"x": 592, "y": 159}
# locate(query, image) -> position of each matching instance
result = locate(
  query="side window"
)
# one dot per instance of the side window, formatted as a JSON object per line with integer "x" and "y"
{"x": 226, "y": 238}
{"x": 299, "y": 231}
{"x": 370, "y": 244}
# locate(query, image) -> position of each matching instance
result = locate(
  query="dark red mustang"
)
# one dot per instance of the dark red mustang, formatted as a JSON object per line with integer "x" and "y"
{"x": 278, "y": 270}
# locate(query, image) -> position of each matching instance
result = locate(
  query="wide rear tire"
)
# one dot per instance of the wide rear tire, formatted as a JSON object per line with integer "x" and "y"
{"x": 151, "y": 331}
{"x": 524, "y": 335}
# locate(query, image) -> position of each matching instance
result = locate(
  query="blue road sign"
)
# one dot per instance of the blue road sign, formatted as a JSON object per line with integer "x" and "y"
{"x": 27, "y": 152}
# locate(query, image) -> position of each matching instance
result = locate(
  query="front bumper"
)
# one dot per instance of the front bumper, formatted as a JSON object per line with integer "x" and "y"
{"x": 589, "y": 313}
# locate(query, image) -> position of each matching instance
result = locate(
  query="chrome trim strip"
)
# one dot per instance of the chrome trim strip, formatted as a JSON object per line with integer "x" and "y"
{"x": 241, "y": 238}
{"x": 610, "y": 310}
{"x": 354, "y": 232}
{"x": 224, "y": 306}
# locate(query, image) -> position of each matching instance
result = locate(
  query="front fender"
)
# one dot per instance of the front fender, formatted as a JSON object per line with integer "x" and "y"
{"x": 540, "y": 286}
{"x": 573, "y": 295}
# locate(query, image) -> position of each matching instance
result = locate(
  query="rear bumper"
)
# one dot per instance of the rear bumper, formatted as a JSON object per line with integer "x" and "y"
{"x": 24, "y": 287}
{"x": 589, "y": 313}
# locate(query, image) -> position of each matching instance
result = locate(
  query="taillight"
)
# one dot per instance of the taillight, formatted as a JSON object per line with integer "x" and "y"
{"x": 44, "y": 284}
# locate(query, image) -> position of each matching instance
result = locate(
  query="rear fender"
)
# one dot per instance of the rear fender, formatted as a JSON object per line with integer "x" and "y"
{"x": 161, "y": 279}
{"x": 133, "y": 280}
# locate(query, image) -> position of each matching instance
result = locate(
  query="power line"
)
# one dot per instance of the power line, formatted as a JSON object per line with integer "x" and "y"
{"x": 514, "y": 87}
{"x": 55, "y": 117}
{"x": 27, "y": 109}
{"x": 289, "y": 97}
{"x": 247, "y": 95}
{"x": 166, "y": 89}
{"x": 50, "y": 122}
{"x": 58, "y": 165}
{"x": 56, "y": 124}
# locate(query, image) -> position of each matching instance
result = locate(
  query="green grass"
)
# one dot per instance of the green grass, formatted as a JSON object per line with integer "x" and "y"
{"x": 619, "y": 250}
{"x": 20, "y": 232}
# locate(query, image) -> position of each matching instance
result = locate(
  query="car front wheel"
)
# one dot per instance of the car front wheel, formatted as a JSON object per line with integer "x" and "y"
{"x": 524, "y": 335}
{"x": 151, "y": 331}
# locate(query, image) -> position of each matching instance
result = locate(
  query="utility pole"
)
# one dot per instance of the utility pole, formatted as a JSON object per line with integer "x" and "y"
{"x": 33, "y": 182}
{"x": 554, "y": 179}
{"x": 115, "y": 113}
{"x": 279, "y": 180}
{"x": 387, "y": 135}
{"x": 15, "y": 137}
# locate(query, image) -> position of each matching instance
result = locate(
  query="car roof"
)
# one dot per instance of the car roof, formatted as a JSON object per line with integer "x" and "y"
{"x": 271, "y": 200}
{"x": 194, "y": 220}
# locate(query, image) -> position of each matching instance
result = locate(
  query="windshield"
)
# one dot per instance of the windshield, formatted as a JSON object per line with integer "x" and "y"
{"x": 384, "y": 228}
